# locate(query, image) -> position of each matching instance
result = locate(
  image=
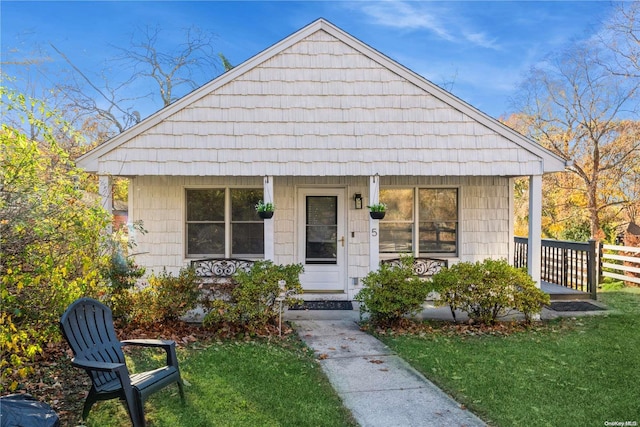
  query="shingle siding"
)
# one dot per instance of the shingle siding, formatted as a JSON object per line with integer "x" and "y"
{"x": 159, "y": 203}
{"x": 319, "y": 107}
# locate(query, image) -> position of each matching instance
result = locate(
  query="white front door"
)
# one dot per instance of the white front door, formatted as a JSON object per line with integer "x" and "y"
{"x": 321, "y": 239}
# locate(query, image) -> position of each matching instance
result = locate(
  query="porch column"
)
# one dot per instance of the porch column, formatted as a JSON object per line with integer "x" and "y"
{"x": 534, "y": 253}
{"x": 105, "y": 189}
{"x": 512, "y": 220}
{"x": 374, "y": 224}
{"x": 269, "y": 229}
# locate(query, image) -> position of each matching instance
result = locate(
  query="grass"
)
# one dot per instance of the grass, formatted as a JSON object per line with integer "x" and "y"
{"x": 578, "y": 371}
{"x": 254, "y": 383}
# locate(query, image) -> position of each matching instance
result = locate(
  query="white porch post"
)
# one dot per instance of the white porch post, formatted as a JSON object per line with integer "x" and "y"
{"x": 269, "y": 229}
{"x": 105, "y": 189}
{"x": 534, "y": 253}
{"x": 374, "y": 224}
{"x": 512, "y": 220}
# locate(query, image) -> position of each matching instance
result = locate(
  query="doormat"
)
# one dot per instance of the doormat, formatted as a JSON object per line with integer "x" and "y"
{"x": 323, "y": 305}
{"x": 574, "y": 306}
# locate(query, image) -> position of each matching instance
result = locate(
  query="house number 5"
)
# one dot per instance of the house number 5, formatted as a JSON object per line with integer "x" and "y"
{"x": 374, "y": 232}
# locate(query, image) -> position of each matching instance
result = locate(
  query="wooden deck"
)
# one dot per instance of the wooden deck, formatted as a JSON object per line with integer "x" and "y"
{"x": 561, "y": 293}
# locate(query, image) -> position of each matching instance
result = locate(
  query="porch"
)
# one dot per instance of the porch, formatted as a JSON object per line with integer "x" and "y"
{"x": 562, "y": 293}
{"x": 569, "y": 270}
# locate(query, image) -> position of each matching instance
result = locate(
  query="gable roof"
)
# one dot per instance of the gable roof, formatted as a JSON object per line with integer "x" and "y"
{"x": 320, "y": 102}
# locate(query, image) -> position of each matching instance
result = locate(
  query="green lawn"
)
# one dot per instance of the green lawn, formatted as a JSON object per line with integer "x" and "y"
{"x": 239, "y": 384}
{"x": 582, "y": 371}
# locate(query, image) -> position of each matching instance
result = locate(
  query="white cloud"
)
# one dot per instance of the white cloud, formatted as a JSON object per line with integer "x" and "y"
{"x": 444, "y": 20}
{"x": 403, "y": 15}
{"x": 481, "y": 39}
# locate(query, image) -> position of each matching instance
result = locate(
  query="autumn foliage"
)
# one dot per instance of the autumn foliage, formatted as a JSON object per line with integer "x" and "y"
{"x": 49, "y": 239}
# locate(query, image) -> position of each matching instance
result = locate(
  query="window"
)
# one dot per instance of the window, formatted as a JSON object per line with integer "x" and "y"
{"x": 321, "y": 230}
{"x": 428, "y": 216}
{"x": 222, "y": 222}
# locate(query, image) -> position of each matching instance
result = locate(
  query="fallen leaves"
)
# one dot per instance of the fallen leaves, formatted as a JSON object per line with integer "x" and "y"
{"x": 65, "y": 388}
{"x": 420, "y": 328}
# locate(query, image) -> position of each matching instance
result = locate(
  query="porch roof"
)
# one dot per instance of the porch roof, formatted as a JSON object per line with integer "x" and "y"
{"x": 320, "y": 103}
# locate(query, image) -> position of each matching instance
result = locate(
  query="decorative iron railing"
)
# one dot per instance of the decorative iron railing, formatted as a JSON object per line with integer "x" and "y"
{"x": 423, "y": 267}
{"x": 221, "y": 267}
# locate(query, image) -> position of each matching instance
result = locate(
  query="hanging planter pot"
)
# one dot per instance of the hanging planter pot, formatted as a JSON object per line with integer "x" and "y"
{"x": 265, "y": 209}
{"x": 377, "y": 210}
{"x": 377, "y": 214}
{"x": 265, "y": 214}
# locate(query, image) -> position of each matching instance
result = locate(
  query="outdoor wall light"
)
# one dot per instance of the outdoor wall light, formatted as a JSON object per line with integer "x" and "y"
{"x": 357, "y": 198}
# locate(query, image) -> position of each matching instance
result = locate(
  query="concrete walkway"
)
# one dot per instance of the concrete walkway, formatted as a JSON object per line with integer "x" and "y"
{"x": 377, "y": 386}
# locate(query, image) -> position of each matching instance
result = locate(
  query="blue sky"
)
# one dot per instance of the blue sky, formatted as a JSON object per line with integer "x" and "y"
{"x": 477, "y": 50}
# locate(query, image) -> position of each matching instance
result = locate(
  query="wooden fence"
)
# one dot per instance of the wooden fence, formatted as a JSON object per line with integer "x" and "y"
{"x": 618, "y": 260}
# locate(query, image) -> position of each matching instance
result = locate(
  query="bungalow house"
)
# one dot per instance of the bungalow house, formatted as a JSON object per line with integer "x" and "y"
{"x": 323, "y": 125}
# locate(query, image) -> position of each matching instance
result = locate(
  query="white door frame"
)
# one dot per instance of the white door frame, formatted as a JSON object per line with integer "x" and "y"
{"x": 323, "y": 278}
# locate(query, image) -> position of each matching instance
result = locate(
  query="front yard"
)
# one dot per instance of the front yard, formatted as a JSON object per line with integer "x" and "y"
{"x": 572, "y": 371}
{"x": 581, "y": 371}
{"x": 235, "y": 383}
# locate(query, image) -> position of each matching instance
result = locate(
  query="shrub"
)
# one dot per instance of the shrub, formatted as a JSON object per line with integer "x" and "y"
{"x": 252, "y": 304}
{"x": 166, "y": 297}
{"x": 487, "y": 290}
{"x": 49, "y": 235}
{"x": 392, "y": 292}
{"x": 120, "y": 270}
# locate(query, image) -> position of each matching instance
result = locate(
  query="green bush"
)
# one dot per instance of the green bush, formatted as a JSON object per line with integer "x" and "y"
{"x": 609, "y": 284}
{"x": 392, "y": 292}
{"x": 489, "y": 289}
{"x": 252, "y": 303}
{"x": 121, "y": 271}
{"x": 166, "y": 297}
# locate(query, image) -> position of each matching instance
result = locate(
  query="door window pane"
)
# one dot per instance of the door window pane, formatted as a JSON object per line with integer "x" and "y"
{"x": 321, "y": 230}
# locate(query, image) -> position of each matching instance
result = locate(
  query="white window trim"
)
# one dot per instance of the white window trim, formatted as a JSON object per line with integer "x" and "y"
{"x": 415, "y": 243}
{"x": 227, "y": 220}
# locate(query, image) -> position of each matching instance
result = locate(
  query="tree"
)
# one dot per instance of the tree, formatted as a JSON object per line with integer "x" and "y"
{"x": 621, "y": 41}
{"x": 167, "y": 74}
{"x": 580, "y": 110}
{"x": 141, "y": 78}
{"x": 49, "y": 235}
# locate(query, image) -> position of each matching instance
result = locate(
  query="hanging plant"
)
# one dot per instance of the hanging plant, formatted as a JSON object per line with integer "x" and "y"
{"x": 377, "y": 210}
{"x": 265, "y": 210}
